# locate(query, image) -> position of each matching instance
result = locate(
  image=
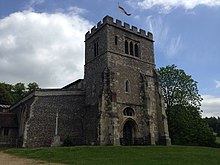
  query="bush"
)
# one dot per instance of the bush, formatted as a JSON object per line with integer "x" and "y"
{"x": 67, "y": 141}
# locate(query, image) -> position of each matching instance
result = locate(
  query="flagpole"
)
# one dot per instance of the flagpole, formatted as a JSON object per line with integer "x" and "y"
{"x": 118, "y": 12}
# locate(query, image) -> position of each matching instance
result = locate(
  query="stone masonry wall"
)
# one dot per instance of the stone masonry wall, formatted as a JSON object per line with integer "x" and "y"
{"x": 41, "y": 124}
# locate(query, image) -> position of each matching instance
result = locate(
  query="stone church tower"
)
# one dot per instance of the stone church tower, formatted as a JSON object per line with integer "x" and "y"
{"x": 119, "y": 102}
{"x": 124, "y": 102}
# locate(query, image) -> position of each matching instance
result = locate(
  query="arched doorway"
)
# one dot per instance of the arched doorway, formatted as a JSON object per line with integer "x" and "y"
{"x": 129, "y": 133}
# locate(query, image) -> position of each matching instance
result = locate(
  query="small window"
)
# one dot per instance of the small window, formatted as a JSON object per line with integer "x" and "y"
{"x": 96, "y": 52}
{"x": 136, "y": 50}
{"x": 97, "y": 48}
{"x": 6, "y": 132}
{"x": 116, "y": 40}
{"x": 128, "y": 111}
{"x": 131, "y": 49}
{"x": 127, "y": 86}
{"x": 126, "y": 46}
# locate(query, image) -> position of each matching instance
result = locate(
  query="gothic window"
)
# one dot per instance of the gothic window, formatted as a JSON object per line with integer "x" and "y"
{"x": 136, "y": 50}
{"x": 127, "y": 86}
{"x": 126, "y": 46}
{"x": 128, "y": 111}
{"x": 116, "y": 40}
{"x": 131, "y": 48}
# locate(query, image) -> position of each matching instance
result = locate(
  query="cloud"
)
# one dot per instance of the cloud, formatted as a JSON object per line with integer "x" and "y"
{"x": 137, "y": 17}
{"x": 174, "y": 46}
{"x": 158, "y": 28}
{"x": 217, "y": 84}
{"x": 167, "y": 5}
{"x": 76, "y": 10}
{"x": 34, "y": 3}
{"x": 210, "y": 106}
{"x": 41, "y": 47}
{"x": 169, "y": 43}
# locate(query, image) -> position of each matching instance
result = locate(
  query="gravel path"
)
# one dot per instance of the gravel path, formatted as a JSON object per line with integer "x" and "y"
{"x": 6, "y": 159}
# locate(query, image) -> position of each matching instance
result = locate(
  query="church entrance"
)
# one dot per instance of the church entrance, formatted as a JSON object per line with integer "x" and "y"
{"x": 128, "y": 133}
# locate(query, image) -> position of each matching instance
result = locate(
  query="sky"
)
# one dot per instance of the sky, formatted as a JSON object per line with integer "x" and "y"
{"x": 43, "y": 40}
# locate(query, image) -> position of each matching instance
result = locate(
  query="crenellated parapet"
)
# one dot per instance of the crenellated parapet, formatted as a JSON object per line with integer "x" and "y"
{"x": 118, "y": 23}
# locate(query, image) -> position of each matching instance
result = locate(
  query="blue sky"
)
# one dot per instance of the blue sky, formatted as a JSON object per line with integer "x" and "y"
{"x": 43, "y": 40}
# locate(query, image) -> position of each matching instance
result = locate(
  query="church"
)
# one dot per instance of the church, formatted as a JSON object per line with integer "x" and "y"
{"x": 119, "y": 101}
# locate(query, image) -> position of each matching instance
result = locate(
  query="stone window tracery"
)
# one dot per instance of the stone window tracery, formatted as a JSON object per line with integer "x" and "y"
{"x": 132, "y": 47}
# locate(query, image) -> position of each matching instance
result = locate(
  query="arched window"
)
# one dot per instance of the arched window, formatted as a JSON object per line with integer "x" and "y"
{"x": 131, "y": 49}
{"x": 136, "y": 50}
{"x": 127, "y": 86}
{"x": 128, "y": 111}
{"x": 126, "y": 46}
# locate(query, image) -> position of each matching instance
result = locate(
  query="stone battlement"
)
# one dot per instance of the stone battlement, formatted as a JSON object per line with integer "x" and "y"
{"x": 109, "y": 20}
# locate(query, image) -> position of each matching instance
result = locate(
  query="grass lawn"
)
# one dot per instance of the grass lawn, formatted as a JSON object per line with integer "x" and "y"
{"x": 150, "y": 155}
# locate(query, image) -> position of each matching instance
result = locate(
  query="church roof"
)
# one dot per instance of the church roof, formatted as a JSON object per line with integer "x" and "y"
{"x": 78, "y": 84}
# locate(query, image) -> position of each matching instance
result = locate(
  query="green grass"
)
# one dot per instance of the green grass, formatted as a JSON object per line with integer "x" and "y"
{"x": 150, "y": 155}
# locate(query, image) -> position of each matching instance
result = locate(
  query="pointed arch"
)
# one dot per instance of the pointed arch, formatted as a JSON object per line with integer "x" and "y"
{"x": 129, "y": 132}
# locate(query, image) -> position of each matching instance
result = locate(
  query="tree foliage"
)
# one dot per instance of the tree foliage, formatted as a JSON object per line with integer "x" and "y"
{"x": 186, "y": 126}
{"x": 32, "y": 86}
{"x": 19, "y": 91}
{"x": 9, "y": 94}
{"x": 5, "y": 96}
{"x": 214, "y": 123}
{"x": 179, "y": 88}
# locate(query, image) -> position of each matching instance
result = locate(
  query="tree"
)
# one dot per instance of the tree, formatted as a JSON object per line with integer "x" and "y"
{"x": 179, "y": 88}
{"x": 19, "y": 91}
{"x": 10, "y": 94}
{"x": 186, "y": 126}
{"x": 214, "y": 123}
{"x": 5, "y": 96}
{"x": 32, "y": 86}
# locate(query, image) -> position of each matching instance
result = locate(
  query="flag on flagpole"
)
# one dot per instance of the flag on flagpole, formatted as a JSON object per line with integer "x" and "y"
{"x": 123, "y": 10}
